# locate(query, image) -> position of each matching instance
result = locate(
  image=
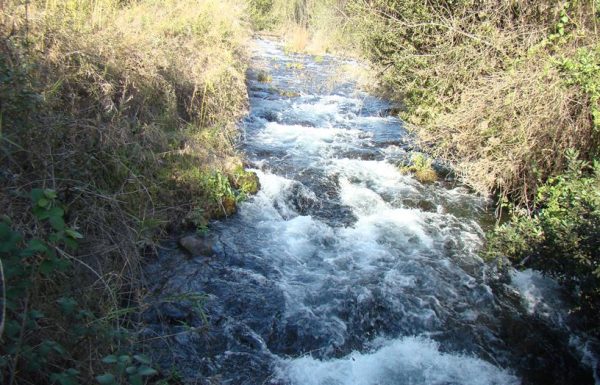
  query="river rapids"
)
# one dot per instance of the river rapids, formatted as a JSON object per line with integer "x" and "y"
{"x": 344, "y": 271}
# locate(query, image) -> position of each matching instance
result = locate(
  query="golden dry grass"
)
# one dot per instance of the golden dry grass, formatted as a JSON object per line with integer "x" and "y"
{"x": 511, "y": 129}
{"x": 126, "y": 110}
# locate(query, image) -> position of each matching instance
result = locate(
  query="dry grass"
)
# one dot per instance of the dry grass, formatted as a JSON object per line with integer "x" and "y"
{"x": 296, "y": 39}
{"x": 481, "y": 85}
{"x": 126, "y": 109}
{"x": 509, "y": 131}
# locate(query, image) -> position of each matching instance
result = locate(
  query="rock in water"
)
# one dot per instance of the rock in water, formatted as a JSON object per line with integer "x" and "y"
{"x": 197, "y": 246}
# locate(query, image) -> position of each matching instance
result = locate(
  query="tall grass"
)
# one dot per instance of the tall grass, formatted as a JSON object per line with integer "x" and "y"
{"x": 127, "y": 110}
{"x": 309, "y": 26}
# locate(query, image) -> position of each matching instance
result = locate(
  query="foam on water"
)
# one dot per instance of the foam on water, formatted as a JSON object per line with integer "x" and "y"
{"x": 406, "y": 361}
{"x": 540, "y": 294}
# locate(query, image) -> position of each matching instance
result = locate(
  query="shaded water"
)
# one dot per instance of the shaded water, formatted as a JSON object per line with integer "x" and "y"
{"x": 341, "y": 270}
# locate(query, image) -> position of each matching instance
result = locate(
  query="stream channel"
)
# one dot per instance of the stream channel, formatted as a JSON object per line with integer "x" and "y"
{"x": 344, "y": 271}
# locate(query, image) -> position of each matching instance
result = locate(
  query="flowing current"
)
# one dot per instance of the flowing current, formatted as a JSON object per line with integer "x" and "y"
{"x": 344, "y": 271}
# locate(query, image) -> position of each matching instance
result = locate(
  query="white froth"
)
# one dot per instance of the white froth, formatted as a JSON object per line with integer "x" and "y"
{"x": 308, "y": 139}
{"x": 406, "y": 361}
{"x": 539, "y": 294}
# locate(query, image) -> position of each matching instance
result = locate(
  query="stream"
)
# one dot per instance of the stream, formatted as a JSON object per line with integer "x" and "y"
{"x": 342, "y": 270}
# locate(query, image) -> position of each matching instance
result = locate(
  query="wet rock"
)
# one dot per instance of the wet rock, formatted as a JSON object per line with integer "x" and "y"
{"x": 426, "y": 205}
{"x": 197, "y": 246}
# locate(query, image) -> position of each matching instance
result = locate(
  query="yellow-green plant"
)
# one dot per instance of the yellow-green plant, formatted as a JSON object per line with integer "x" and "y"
{"x": 421, "y": 167}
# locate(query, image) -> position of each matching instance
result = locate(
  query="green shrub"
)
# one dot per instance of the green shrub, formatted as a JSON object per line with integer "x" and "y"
{"x": 561, "y": 236}
{"x": 583, "y": 70}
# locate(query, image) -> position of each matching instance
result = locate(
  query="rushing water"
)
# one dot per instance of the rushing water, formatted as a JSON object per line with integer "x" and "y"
{"x": 342, "y": 270}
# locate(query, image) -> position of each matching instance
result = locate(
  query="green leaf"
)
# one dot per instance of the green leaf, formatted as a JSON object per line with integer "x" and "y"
{"x": 58, "y": 348}
{"x": 136, "y": 379}
{"x": 124, "y": 358}
{"x": 57, "y": 223}
{"x": 131, "y": 369}
{"x": 111, "y": 359}
{"x": 67, "y": 305}
{"x": 47, "y": 267}
{"x": 106, "y": 379}
{"x": 42, "y": 213}
{"x": 56, "y": 212}
{"x": 43, "y": 202}
{"x": 142, "y": 359}
{"x": 71, "y": 243}
{"x": 73, "y": 234}
{"x": 35, "y": 246}
{"x": 36, "y": 314}
{"x": 36, "y": 194}
{"x": 72, "y": 372}
{"x": 50, "y": 194}
{"x": 146, "y": 371}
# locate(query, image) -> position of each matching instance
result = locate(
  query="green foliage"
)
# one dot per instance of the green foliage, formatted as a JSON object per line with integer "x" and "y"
{"x": 583, "y": 70}
{"x": 126, "y": 369}
{"x": 561, "y": 236}
{"x": 25, "y": 262}
{"x": 262, "y": 14}
{"x": 563, "y": 23}
{"x": 29, "y": 349}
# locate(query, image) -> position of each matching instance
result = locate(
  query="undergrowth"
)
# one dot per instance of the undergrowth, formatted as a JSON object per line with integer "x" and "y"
{"x": 421, "y": 167}
{"x": 122, "y": 116}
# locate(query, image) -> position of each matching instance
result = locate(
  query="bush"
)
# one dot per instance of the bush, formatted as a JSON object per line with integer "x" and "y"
{"x": 561, "y": 236}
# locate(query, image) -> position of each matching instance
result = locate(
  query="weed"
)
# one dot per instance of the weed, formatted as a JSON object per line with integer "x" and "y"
{"x": 264, "y": 77}
{"x": 561, "y": 237}
{"x": 421, "y": 167}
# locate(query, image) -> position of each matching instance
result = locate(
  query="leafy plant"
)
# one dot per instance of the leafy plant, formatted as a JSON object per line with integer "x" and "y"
{"x": 583, "y": 70}
{"x": 561, "y": 236}
{"x": 421, "y": 167}
{"x": 25, "y": 262}
{"x": 126, "y": 369}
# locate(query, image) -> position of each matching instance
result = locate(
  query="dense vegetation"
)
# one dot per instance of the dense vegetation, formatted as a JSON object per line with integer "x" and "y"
{"x": 507, "y": 92}
{"x": 117, "y": 123}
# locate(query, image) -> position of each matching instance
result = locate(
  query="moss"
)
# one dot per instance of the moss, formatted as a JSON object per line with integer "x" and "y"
{"x": 245, "y": 181}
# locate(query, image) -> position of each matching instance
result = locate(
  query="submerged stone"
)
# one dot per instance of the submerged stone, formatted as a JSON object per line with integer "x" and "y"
{"x": 196, "y": 245}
